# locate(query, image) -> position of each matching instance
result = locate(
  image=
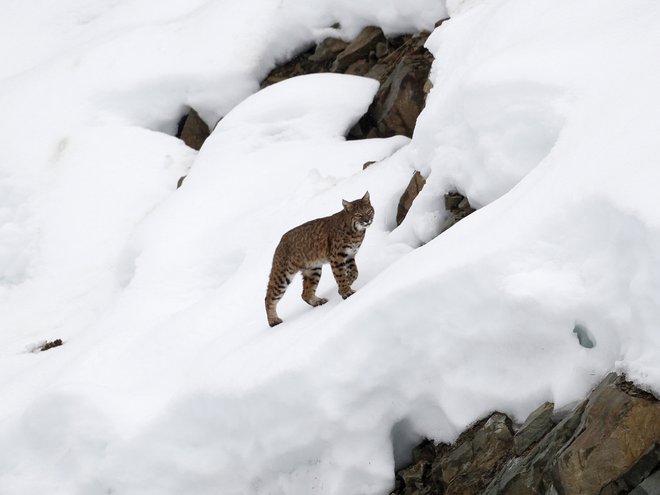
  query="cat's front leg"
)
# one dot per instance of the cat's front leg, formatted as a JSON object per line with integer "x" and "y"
{"x": 339, "y": 265}
{"x": 351, "y": 270}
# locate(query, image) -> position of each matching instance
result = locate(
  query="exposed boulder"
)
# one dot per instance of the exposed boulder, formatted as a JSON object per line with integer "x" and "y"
{"x": 362, "y": 48}
{"x": 412, "y": 190}
{"x": 403, "y": 74}
{"x": 50, "y": 345}
{"x": 458, "y": 207}
{"x": 467, "y": 467}
{"x": 619, "y": 427}
{"x": 193, "y": 130}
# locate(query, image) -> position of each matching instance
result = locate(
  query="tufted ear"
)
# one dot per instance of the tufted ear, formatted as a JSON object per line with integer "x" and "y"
{"x": 365, "y": 198}
{"x": 346, "y": 205}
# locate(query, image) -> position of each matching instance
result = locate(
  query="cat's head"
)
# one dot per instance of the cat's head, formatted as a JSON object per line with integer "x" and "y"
{"x": 361, "y": 212}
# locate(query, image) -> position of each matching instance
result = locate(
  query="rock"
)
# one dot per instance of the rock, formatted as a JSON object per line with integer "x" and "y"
{"x": 193, "y": 130}
{"x": 381, "y": 49}
{"x": 403, "y": 74}
{"x": 477, "y": 455}
{"x": 636, "y": 476}
{"x": 534, "y": 428}
{"x": 179, "y": 183}
{"x": 650, "y": 486}
{"x": 50, "y": 344}
{"x": 400, "y": 64}
{"x": 608, "y": 445}
{"x": 453, "y": 200}
{"x": 420, "y": 478}
{"x": 401, "y": 97}
{"x": 413, "y": 476}
{"x": 412, "y": 190}
{"x": 458, "y": 207}
{"x": 617, "y": 430}
{"x": 368, "y": 164}
{"x": 328, "y": 49}
{"x": 359, "y": 68}
{"x": 529, "y": 475}
{"x": 298, "y": 66}
{"x": 359, "y": 49}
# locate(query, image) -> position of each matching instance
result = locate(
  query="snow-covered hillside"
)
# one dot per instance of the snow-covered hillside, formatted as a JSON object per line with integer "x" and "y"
{"x": 543, "y": 113}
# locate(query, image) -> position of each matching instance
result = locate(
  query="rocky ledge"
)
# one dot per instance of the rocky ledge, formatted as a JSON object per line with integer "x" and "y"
{"x": 607, "y": 445}
{"x": 401, "y": 64}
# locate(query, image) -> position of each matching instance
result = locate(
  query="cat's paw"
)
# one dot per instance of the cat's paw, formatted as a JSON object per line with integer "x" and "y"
{"x": 348, "y": 294}
{"x": 275, "y": 321}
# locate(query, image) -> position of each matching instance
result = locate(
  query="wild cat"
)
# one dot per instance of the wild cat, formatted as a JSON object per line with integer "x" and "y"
{"x": 334, "y": 239}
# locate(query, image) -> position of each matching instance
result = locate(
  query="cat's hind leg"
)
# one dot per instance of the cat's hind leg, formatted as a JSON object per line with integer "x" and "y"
{"x": 277, "y": 285}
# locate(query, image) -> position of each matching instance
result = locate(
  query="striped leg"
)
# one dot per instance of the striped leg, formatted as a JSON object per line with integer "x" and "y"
{"x": 311, "y": 277}
{"x": 277, "y": 285}
{"x": 338, "y": 264}
{"x": 351, "y": 270}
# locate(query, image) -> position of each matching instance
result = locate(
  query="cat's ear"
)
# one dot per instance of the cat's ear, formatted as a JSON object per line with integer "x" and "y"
{"x": 346, "y": 205}
{"x": 365, "y": 198}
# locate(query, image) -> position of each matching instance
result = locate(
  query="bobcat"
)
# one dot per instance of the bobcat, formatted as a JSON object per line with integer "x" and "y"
{"x": 334, "y": 239}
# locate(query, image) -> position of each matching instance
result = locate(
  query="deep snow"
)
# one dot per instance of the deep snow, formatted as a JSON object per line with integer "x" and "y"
{"x": 544, "y": 113}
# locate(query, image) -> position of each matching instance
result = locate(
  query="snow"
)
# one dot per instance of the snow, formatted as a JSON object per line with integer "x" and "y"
{"x": 169, "y": 380}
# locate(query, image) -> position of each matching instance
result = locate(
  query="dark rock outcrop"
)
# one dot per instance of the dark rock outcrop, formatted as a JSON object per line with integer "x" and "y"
{"x": 458, "y": 207}
{"x": 608, "y": 445}
{"x": 412, "y": 190}
{"x": 402, "y": 95}
{"x": 401, "y": 64}
{"x": 362, "y": 50}
{"x": 50, "y": 345}
{"x": 193, "y": 130}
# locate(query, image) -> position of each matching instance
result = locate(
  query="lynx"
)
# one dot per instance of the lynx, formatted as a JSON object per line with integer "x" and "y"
{"x": 334, "y": 239}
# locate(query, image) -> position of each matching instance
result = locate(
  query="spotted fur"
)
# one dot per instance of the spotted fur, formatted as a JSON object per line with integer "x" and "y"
{"x": 306, "y": 248}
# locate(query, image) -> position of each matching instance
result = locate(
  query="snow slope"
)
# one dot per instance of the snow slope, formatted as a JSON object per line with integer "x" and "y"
{"x": 543, "y": 113}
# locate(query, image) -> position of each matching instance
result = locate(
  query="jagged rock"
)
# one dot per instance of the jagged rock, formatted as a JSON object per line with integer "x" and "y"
{"x": 50, "y": 344}
{"x": 413, "y": 477}
{"x": 458, "y": 207}
{"x": 422, "y": 477}
{"x": 468, "y": 466}
{"x": 360, "y": 48}
{"x": 637, "y": 475}
{"x": 412, "y": 190}
{"x": 401, "y": 97}
{"x": 529, "y": 475}
{"x": 534, "y": 428}
{"x": 359, "y": 68}
{"x": 400, "y": 64}
{"x": 608, "y": 445}
{"x": 193, "y": 130}
{"x": 328, "y": 49}
{"x": 381, "y": 49}
{"x": 617, "y": 430}
{"x": 650, "y": 486}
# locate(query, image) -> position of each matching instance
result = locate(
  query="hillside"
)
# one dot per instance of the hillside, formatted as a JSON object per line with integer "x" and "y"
{"x": 540, "y": 120}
